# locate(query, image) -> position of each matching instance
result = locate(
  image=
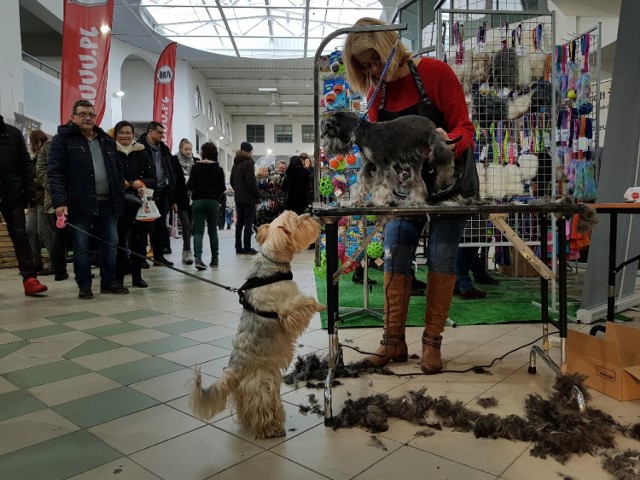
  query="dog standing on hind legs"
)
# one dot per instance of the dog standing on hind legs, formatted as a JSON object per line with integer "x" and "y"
{"x": 275, "y": 314}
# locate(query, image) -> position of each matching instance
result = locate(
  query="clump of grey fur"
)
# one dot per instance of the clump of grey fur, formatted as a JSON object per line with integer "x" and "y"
{"x": 487, "y": 402}
{"x": 312, "y": 367}
{"x": 505, "y": 68}
{"x": 623, "y": 465}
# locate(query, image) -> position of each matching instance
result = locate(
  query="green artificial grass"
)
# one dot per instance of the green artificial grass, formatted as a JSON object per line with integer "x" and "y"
{"x": 509, "y": 302}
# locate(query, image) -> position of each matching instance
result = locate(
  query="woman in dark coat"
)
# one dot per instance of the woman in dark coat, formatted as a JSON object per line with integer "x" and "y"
{"x": 297, "y": 186}
{"x": 139, "y": 171}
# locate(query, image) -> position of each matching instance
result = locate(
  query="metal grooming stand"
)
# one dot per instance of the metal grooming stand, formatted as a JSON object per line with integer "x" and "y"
{"x": 331, "y": 215}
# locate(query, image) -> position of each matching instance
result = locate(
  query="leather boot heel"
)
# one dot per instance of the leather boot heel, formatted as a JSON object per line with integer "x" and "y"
{"x": 392, "y": 348}
{"x": 431, "y": 362}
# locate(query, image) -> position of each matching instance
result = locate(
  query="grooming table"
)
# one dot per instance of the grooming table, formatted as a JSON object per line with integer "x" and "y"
{"x": 331, "y": 215}
{"x": 614, "y": 209}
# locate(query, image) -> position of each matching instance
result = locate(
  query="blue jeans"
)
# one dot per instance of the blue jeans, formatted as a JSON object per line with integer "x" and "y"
{"x": 464, "y": 262}
{"x": 246, "y": 216}
{"x": 401, "y": 240}
{"x": 205, "y": 210}
{"x": 106, "y": 224}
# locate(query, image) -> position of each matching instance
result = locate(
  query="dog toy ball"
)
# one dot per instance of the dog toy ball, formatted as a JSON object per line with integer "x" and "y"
{"x": 339, "y": 185}
{"x": 375, "y": 250}
{"x": 351, "y": 159}
{"x": 333, "y": 163}
{"x": 343, "y": 221}
{"x": 326, "y": 187}
{"x": 329, "y": 98}
{"x": 485, "y": 89}
{"x": 571, "y": 94}
{"x": 338, "y": 88}
{"x": 352, "y": 250}
{"x": 371, "y": 218}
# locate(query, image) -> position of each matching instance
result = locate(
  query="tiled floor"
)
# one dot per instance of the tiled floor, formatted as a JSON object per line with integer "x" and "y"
{"x": 98, "y": 390}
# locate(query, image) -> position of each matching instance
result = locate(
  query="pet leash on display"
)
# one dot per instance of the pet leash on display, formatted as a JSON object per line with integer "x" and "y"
{"x": 62, "y": 221}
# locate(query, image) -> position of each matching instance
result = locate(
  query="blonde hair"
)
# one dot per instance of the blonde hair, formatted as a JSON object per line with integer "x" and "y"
{"x": 262, "y": 172}
{"x": 382, "y": 43}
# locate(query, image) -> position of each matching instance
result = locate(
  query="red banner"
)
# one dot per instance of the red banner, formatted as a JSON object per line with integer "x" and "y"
{"x": 163, "y": 91}
{"x": 86, "y": 41}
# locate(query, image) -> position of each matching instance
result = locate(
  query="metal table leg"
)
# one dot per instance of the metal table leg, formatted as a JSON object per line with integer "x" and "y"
{"x": 334, "y": 354}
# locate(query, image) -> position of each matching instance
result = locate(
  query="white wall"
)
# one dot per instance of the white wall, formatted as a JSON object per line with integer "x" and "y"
{"x": 288, "y": 149}
{"x": 42, "y": 97}
{"x": 11, "y": 82}
{"x": 136, "y": 80}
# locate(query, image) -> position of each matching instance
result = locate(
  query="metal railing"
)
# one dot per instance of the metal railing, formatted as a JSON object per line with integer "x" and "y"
{"x": 40, "y": 65}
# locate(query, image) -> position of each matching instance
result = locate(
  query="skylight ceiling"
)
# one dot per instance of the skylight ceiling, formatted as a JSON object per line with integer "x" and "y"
{"x": 256, "y": 28}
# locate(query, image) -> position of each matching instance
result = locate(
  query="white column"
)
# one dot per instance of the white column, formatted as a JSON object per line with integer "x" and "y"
{"x": 11, "y": 83}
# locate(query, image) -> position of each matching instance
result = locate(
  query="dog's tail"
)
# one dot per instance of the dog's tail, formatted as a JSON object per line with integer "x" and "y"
{"x": 205, "y": 403}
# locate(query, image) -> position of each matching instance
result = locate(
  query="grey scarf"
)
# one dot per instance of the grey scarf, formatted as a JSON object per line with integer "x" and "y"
{"x": 186, "y": 163}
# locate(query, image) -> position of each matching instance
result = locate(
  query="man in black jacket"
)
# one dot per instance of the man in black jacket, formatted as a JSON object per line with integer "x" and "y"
{"x": 244, "y": 184}
{"x": 87, "y": 184}
{"x": 165, "y": 189}
{"x": 17, "y": 191}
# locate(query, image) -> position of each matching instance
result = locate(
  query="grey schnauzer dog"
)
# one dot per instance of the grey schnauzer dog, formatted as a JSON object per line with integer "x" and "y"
{"x": 393, "y": 154}
{"x": 275, "y": 314}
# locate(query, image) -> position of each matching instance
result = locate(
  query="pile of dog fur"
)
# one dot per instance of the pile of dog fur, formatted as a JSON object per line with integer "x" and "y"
{"x": 555, "y": 425}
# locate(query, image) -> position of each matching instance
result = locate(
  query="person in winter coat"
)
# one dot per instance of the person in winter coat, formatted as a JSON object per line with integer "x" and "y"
{"x": 87, "y": 184}
{"x": 207, "y": 184}
{"x": 58, "y": 251}
{"x": 40, "y": 234}
{"x": 297, "y": 186}
{"x": 243, "y": 182}
{"x": 17, "y": 191}
{"x": 164, "y": 191}
{"x": 183, "y": 161}
{"x": 139, "y": 172}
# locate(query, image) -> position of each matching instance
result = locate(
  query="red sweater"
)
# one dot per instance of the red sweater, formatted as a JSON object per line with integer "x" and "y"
{"x": 444, "y": 90}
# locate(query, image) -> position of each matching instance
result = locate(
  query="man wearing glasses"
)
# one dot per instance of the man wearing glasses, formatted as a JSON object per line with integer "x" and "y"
{"x": 161, "y": 155}
{"x": 87, "y": 184}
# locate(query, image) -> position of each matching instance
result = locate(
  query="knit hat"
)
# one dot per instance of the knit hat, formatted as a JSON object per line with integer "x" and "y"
{"x": 246, "y": 147}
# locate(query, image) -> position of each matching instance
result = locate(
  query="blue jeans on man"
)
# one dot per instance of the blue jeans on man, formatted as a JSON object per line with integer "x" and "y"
{"x": 106, "y": 225}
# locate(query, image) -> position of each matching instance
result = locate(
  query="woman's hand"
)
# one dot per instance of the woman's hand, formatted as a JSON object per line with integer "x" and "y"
{"x": 445, "y": 135}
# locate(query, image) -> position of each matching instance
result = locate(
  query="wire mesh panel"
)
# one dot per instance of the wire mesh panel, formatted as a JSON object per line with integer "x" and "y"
{"x": 503, "y": 60}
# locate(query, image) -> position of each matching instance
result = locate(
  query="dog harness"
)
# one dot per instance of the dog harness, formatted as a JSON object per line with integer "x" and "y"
{"x": 261, "y": 282}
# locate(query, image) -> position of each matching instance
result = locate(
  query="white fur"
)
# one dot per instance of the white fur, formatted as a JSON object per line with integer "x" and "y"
{"x": 263, "y": 347}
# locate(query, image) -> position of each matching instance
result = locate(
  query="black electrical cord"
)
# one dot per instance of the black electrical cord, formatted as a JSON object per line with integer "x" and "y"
{"x": 476, "y": 368}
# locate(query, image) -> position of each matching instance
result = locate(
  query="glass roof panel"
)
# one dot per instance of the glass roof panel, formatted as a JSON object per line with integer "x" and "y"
{"x": 256, "y": 28}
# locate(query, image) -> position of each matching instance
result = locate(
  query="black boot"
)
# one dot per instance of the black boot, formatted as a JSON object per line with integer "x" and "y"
{"x": 358, "y": 276}
{"x": 479, "y": 269}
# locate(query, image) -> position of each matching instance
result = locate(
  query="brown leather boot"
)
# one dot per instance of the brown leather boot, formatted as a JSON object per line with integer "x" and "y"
{"x": 439, "y": 297}
{"x": 397, "y": 291}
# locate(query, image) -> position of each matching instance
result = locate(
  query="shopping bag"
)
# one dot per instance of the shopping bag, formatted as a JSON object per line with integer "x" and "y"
{"x": 148, "y": 212}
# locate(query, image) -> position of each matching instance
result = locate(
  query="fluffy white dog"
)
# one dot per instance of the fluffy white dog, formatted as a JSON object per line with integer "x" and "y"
{"x": 275, "y": 314}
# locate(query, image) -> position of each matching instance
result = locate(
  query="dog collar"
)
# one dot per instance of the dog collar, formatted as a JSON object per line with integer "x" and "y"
{"x": 282, "y": 264}
{"x": 261, "y": 282}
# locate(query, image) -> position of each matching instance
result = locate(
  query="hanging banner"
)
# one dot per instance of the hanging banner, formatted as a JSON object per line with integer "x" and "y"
{"x": 163, "y": 91}
{"x": 86, "y": 41}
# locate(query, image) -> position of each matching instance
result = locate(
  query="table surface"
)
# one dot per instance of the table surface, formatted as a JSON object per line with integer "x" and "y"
{"x": 452, "y": 210}
{"x": 622, "y": 207}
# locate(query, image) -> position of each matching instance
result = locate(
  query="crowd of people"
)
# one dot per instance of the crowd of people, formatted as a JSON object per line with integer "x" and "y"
{"x": 84, "y": 189}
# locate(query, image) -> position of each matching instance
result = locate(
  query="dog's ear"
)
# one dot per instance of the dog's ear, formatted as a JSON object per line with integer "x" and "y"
{"x": 285, "y": 229}
{"x": 263, "y": 232}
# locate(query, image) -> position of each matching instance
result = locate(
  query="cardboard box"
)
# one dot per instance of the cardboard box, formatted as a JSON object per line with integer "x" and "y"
{"x": 524, "y": 268}
{"x": 611, "y": 364}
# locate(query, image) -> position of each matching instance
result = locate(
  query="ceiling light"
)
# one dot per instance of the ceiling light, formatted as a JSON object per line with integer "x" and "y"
{"x": 118, "y": 94}
{"x": 267, "y": 89}
{"x": 210, "y": 129}
{"x": 105, "y": 29}
{"x": 221, "y": 138}
{"x": 290, "y": 103}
